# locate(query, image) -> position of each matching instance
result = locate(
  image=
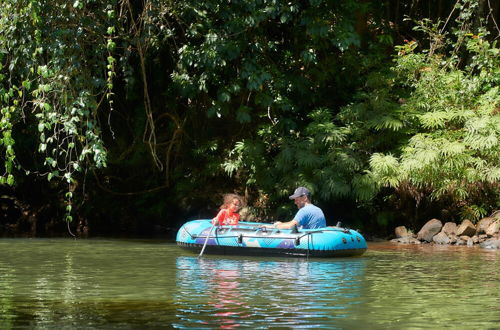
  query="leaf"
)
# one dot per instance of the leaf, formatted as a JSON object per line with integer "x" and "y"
{"x": 10, "y": 180}
{"x": 52, "y": 174}
{"x": 242, "y": 115}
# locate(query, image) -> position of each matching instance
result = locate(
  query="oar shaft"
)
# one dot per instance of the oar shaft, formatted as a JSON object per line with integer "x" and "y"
{"x": 206, "y": 240}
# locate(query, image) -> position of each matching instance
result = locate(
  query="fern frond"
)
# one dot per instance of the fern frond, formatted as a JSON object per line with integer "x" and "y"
{"x": 383, "y": 163}
{"x": 364, "y": 186}
{"x": 461, "y": 115}
{"x": 492, "y": 175}
{"x": 385, "y": 169}
{"x": 433, "y": 120}
{"x": 386, "y": 122}
{"x": 286, "y": 155}
{"x": 308, "y": 159}
{"x": 482, "y": 143}
{"x": 451, "y": 148}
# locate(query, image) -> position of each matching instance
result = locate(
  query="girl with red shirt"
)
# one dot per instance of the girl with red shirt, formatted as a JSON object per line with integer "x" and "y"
{"x": 228, "y": 211}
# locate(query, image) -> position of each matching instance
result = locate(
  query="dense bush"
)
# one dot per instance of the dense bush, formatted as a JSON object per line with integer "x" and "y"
{"x": 141, "y": 113}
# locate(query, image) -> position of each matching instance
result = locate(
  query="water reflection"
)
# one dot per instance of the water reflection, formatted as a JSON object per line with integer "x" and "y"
{"x": 133, "y": 284}
{"x": 230, "y": 292}
{"x": 7, "y": 288}
{"x": 442, "y": 283}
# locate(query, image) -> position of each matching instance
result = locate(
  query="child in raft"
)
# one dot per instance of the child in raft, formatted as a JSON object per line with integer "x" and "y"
{"x": 228, "y": 211}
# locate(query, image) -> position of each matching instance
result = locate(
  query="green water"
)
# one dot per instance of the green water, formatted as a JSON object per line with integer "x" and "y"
{"x": 131, "y": 284}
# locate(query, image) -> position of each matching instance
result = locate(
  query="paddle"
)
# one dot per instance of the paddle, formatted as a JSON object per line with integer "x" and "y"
{"x": 206, "y": 240}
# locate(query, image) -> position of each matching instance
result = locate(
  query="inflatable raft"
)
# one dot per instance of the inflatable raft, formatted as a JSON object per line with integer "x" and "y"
{"x": 250, "y": 238}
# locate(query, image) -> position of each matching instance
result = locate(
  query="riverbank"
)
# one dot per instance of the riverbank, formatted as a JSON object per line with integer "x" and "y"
{"x": 485, "y": 234}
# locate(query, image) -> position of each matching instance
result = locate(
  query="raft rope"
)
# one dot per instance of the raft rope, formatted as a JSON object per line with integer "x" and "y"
{"x": 344, "y": 230}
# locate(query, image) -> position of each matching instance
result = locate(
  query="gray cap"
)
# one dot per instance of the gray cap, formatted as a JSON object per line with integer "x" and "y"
{"x": 300, "y": 191}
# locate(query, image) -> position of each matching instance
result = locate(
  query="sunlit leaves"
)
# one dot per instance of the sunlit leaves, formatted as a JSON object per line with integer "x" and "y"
{"x": 57, "y": 66}
{"x": 455, "y": 149}
{"x": 385, "y": 169}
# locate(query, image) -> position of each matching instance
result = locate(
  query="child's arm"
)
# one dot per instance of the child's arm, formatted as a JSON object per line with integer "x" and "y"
{"x": 219, "y": 219}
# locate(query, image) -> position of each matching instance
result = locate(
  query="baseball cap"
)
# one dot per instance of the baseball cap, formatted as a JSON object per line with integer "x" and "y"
{"x": 300, "y": 191}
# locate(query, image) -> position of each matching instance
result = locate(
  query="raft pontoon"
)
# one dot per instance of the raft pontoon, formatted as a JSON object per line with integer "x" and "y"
{"x": 250, "y": 238}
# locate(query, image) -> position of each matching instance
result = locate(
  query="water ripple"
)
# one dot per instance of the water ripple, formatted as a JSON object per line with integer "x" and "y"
{"x": 124, "y": 284}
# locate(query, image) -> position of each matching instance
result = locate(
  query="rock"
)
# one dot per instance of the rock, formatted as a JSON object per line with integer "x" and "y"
{"x": 493, "y": 228}
{"x": 491, "y": 244}
{"x": 453, "y": 239}
{"x": 464, "y": 238}
{"x": 401, "y": 231}
{"x": 466, "y": 228}
{"x": 483, "y": 224}
{"x": 431, "y": 228}
{"x": 475, "y": 239}
{"x": 441, "y": 238}
{"x": 461, "y": 242}
{"x": 450, "y": 228}
{"x": 406, "y": 240}
{"x": 470, "y": 242}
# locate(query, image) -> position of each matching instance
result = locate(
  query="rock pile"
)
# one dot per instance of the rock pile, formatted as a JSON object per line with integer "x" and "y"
{"x": 486, "y": 233}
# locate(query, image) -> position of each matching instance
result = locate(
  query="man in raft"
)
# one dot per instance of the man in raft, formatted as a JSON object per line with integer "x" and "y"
{"x": 309, "y": 216}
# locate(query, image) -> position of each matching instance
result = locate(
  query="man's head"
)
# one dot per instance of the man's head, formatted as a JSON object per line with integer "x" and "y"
{"x": 301, "y": 196}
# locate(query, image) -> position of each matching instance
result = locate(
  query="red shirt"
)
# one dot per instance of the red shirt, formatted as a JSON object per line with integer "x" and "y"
{"x": 226, "y": 217}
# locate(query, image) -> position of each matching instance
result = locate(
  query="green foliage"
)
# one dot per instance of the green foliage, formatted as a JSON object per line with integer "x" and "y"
{"x": 454, "y": 147}
{"x": 318, "y": 157}
{"x": 252, "y": 96}
{"x": 262, "y": 67}
{"x": 473, "y": 212}
{"x": 51, "y": 79}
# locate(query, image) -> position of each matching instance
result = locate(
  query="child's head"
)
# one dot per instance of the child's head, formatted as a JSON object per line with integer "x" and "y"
{"x": 233, "y": 202}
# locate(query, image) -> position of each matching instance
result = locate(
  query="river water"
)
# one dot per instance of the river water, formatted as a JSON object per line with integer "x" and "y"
{"x": 131, "y": 284}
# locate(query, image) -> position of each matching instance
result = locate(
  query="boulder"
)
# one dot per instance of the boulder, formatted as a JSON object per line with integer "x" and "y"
{"x": 450, "y": 228}
{"x": 401, "y": 231}
{"x": 406, "y": 240}
{"x": 466, "y": 228}
{"x": 431, "y": 228}
{"x": 441, "y": 238}
{"x": 493, "y": 228}
{"x": 491, "y": 244}
{"x": 483, "y": 224}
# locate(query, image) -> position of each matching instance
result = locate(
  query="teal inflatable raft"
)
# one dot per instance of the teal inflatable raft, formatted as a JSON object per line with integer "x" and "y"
{"x": 250, "y": 238}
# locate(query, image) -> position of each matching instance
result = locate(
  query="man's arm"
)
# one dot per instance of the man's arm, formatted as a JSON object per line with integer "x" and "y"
{"x": 286, "y": 225}
{"x": 282, "y": 225}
